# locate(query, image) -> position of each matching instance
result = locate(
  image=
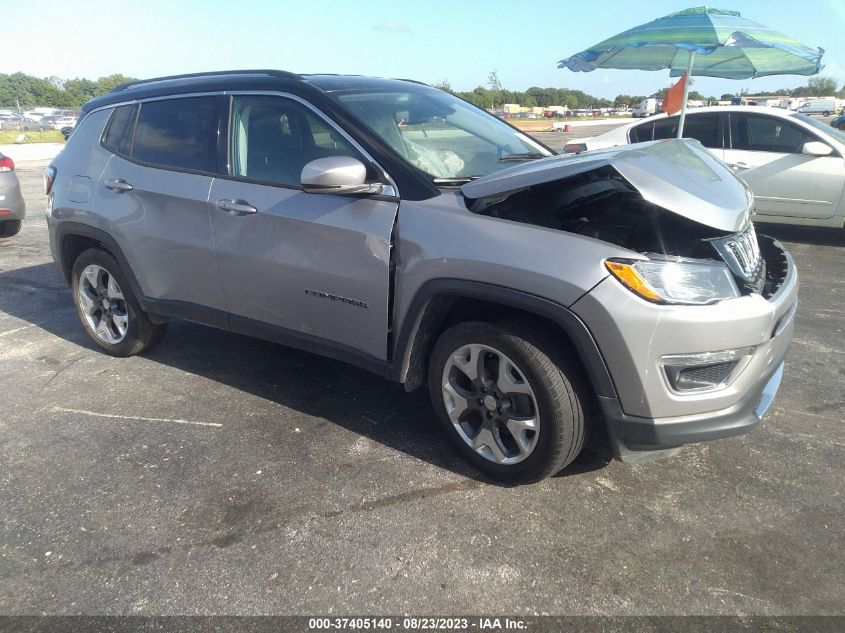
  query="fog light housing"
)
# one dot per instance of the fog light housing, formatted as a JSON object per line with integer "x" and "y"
{"x": 703, "y": 372}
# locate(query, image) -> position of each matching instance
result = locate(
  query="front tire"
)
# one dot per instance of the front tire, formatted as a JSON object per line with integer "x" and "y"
{"x": 10, "y": 228}
{"x": 514, "y": 407}
{"x": 107, "y": 308}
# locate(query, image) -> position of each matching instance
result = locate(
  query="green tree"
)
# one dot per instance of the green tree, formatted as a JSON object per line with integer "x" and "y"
{"x": 107, "y": 84}
{"x": 442, "y": 85}
{"x": 495, "y": 87}
{"x": 820, "y": 87}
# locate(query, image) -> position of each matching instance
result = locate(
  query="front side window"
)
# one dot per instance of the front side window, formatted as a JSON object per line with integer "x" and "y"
{"x": 439, "y": 134}
{"x": 272, "y": 139}
{"x": 759, "y": 133}
{"x": 177, "y": 133}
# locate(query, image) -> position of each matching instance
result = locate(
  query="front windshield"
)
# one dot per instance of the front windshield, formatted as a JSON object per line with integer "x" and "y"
{"x": 439, "y": 134}
{"x": 838, "y": 135}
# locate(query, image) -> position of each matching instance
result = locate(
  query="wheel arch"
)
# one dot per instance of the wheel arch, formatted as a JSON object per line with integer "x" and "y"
{"x": 72, "y": 238}
{"x": 440, "y": 303}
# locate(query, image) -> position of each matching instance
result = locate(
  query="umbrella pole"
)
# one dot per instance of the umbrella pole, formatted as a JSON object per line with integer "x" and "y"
{"x": 687, "y": 77}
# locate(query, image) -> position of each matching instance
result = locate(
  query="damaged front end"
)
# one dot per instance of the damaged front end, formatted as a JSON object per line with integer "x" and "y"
{"x": 684, "y": 215}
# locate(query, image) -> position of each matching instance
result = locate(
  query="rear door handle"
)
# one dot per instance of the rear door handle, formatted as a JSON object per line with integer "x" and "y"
{"x": 119, "y": 185}
{"x": 236, "y": 207}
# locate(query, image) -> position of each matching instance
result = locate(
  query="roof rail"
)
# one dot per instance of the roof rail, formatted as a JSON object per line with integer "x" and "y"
{"x": 217, "y": 73}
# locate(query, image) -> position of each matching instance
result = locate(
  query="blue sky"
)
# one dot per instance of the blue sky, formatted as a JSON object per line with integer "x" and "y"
{"x": 458, "y": 40}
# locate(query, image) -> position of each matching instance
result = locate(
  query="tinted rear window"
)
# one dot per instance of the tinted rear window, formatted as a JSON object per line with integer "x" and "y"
{"x": 641, "y": 133}
{"x": 119, "y": 131}
{"x": 179, "y": 133}
{"x": 703, "y": 127}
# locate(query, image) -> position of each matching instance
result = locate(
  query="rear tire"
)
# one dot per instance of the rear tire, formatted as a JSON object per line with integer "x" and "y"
{"x": 107, "y": 307}
{"x": 10, "y": 228}
{"x": 514, "y": 407}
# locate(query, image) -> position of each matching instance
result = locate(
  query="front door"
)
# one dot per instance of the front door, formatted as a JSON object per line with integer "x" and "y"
{"x": 316, "y": 266}
{"x": 765, "y": 151}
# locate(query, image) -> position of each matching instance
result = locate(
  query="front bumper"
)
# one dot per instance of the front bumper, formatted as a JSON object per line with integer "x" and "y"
{"x": 635, "y": 440}
{"x": 647, "y": 417}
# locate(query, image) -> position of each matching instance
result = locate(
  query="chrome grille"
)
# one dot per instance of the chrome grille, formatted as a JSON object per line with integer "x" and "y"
{"x": 741, "y": 253}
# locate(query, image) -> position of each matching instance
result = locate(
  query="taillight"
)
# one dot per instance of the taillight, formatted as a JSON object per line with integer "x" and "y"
{"x": 49, "y": 177}
{"x": 7, "y": 164}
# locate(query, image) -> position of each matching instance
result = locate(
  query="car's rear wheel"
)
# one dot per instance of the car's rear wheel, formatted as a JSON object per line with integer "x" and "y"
{"x": 107, "y": 307}
{"x": 514, "y": 407}
{"x": 8, "y": 228}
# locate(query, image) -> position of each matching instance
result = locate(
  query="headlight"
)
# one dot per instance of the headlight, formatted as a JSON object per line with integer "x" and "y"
{"x": 675, "y": 279}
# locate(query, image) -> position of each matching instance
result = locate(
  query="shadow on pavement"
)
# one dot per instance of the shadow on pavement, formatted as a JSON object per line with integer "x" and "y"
{"x": 815, "y": 235}
{"x": 341, "y": 394}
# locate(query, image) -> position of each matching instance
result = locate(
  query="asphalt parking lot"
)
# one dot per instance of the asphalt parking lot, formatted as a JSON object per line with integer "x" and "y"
{"x": 221, "y": 474}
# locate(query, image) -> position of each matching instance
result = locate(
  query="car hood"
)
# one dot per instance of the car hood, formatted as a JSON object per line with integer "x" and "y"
{"x": 679, "y": 175}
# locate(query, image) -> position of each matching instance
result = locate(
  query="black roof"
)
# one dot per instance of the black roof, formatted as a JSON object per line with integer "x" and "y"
{"x": 316, "y": 88}
{"x": 304, "y": 85}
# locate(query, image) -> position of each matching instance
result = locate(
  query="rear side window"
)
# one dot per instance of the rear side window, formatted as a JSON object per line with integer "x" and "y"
{"x": 177, "y": 133}
{"x": 641, "y": 133}
{"x": 704, "y": 128}
{"x": 118, "y": 136}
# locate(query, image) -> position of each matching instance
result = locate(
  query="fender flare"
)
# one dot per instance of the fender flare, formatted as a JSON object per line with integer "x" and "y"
{"x": 68, "y": 229}
{"x": 422, "y": 321}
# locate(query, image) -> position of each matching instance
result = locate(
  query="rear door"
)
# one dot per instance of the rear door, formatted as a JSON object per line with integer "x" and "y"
{"x": 312, "y": 266}
{"x": 765, "y": 151}
{"x": 153, "y": 198}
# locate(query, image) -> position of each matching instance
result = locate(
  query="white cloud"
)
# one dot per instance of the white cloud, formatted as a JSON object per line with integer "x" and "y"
{"x": 391, "y": 26}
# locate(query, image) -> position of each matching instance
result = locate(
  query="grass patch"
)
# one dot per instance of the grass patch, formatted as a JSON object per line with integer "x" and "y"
{"x": 50, "y": 136}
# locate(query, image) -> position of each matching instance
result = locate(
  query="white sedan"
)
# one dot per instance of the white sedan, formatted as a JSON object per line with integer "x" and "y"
{"x": 793, "y": 163}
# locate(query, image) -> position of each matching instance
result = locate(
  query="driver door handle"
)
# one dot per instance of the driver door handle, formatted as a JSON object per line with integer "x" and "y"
{"x": 119, "y": 185}
{"x": 236, "y": 207}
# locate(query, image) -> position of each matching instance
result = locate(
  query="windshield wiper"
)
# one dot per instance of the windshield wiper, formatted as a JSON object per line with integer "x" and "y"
{"x": 526, "y": 156}
{"x": 460, "y": 180}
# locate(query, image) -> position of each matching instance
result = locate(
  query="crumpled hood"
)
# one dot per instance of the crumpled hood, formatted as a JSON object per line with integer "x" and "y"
{"x": 679, "y": 175}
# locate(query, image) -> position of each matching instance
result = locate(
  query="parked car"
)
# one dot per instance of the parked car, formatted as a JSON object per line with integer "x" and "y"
{"x": 30, "y": 124}
{"x": 838, "y": 122}
{"x": 825, "y": 107}
{"x": 47, "y": 122}
{"x": 792, "y": 162}
{"x": 10, "y": 122}
{"x": 12, "y": 205}
{"x": 541, "y": 298}
{"x": 62, "y": 122}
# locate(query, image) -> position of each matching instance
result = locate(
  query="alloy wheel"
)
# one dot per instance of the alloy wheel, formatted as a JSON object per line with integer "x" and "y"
{"x": 490, "y": 404}
{"x": 103, "y": 305}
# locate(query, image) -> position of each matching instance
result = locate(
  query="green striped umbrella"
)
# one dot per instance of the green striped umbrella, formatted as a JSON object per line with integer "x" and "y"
{"x": 704, "y": 42}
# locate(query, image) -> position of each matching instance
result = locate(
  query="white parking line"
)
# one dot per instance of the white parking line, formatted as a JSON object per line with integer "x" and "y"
{"x": 18, "y": 329}
{"x": 135, "y": 418}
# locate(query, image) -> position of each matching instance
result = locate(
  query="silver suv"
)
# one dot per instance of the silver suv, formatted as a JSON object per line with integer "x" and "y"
{"x": 395, "y": 227}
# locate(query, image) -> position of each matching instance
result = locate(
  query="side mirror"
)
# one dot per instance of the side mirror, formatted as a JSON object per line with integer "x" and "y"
{"x": 339, "y": 175}
{"x": 816, "y": 148}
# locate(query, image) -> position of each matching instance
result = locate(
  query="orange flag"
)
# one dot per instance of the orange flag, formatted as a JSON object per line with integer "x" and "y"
{"x": 674, "y": 98}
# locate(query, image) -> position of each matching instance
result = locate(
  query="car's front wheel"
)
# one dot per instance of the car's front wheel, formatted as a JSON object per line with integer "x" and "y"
{"x": 107, "y": 307}
{"x": 514, "y": 407}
